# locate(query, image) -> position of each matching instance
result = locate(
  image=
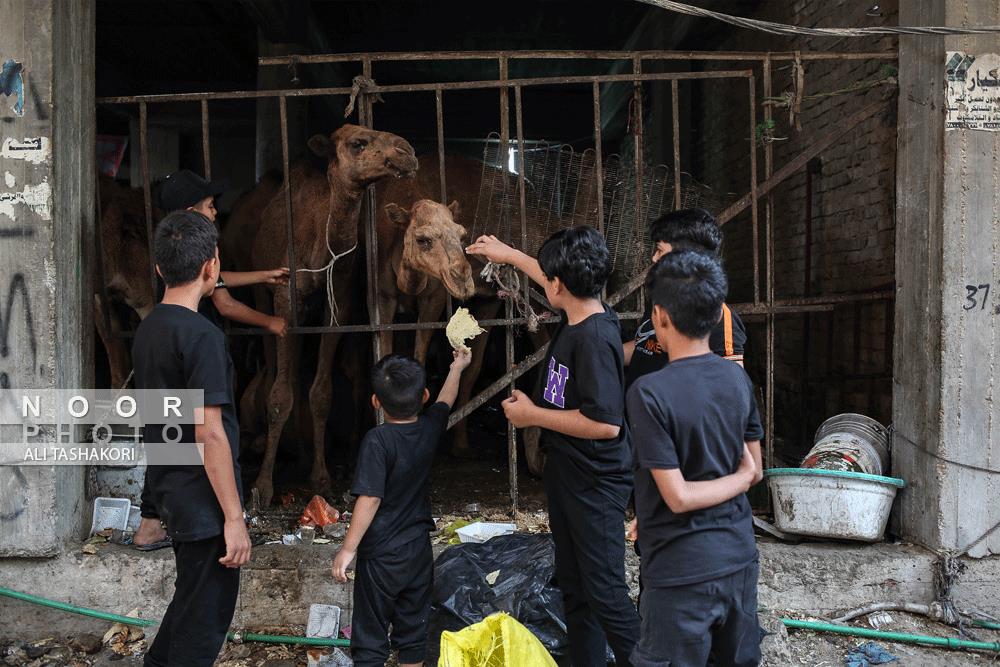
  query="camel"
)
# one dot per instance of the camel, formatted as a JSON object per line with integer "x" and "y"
{"x": 326, "y": 209}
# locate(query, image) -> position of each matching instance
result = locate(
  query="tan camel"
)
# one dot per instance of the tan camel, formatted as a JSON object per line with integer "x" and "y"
{"x": 420, "y": 249}
{"x": 326, "y": 209}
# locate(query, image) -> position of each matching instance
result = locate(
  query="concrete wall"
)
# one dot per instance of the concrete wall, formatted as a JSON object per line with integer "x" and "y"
{"x": 847, "y": 367}
{"x": 46, "y": 242}
{"x": 947, "y": 440}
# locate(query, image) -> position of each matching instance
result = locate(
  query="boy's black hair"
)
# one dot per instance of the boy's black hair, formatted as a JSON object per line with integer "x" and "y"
{"x": 183, "y": 242}
{"x": 579, "y": 257}
{"x": 399, "y": 383}
{"x": 691, "y": 287}
{"x": 689, "y": 229}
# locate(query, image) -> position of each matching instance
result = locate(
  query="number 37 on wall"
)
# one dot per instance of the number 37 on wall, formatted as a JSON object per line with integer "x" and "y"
{"x": 977, "y": 298}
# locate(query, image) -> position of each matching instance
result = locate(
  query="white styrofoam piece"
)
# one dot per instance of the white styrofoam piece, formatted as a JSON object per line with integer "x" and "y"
{"x": 324, "y": 621}
{"x": 481, "y": 531}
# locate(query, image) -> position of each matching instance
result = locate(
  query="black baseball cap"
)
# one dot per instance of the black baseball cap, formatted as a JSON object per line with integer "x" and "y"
{"x": 184, "y": 189}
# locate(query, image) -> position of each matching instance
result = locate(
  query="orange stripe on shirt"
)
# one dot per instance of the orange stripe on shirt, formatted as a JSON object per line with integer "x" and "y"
{"x": 727, "y": 329}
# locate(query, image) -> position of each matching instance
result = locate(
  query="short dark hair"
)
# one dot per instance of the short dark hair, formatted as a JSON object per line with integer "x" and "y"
{"x": 691, "y": 287}
{"x": 184, "y": 241}
{"x": 579, "y": 257}
{"x": 399, "y": 384}
{"x": 689, "y": 229}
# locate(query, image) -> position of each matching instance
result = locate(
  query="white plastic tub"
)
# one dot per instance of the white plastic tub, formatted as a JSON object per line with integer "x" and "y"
{"x": 110, "y": 513}
{"x": 482, "y": 531}
{"x": 832, "y": 503}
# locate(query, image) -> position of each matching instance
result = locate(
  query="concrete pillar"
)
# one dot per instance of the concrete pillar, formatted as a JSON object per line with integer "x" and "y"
{"x": 268, "y": 117}
{"x": 946, "y": 411}
{"x": 46, "y": 244}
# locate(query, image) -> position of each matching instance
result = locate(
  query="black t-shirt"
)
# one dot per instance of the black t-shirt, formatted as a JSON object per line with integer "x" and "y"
{"x": 727, "y": 340}
{"x": 394, "y": 464}
{"x": 694, "y": 414}
{"x": 584, "y": 370}
{"x": 206, "y": 306}
{"x": 176, "y": 348}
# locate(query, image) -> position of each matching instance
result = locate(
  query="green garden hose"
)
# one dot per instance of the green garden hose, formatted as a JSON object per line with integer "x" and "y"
{"x": 145, "y": 622}
{"x": 901, "y": 637}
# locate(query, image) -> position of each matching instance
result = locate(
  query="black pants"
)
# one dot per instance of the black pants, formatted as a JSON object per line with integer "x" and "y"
{"x": 683, "y": 625}
{"x": 194, "y": 628}
{"x": 587, "y": 520}
{"x": 147, "y": 510}
{"x": 392, "y": 589}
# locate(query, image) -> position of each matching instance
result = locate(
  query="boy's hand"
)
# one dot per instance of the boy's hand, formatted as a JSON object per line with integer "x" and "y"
{"x": 748, "y": 467}
{"x": 492, "y": 249}
{"x": 237, "y": 543}
{"x": 519, "y": 409}
{"x": 462, "y": 360}
{"x": 343, "y": 558}
{"x": 275, "y": 276}
{"x": 632, "y": 531}
{"x": 278, "y": 326}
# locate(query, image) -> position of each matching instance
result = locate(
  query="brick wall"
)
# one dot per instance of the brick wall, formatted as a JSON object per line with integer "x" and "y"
{"x": 847, "y": 364}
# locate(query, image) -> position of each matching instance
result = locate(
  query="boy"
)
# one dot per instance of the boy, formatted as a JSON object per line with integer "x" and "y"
{"x": 185, "y": 190}
{"x": 697, "y": 441}
{"x": 392, "y": 515}
{"x": 690, "y": 229}
{"x": 588, "y": 469}
{"x": 175, "y": 347}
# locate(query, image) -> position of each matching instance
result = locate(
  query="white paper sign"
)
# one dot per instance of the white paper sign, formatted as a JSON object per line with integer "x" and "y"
{"x": 973, "y": 91}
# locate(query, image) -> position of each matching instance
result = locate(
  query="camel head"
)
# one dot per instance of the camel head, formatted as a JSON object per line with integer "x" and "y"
{"x": 358, "y": 156}
{"x": 432, "y": 246}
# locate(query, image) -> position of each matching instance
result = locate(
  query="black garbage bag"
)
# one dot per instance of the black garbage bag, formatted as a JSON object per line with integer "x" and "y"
{"x": 523, "y": 589}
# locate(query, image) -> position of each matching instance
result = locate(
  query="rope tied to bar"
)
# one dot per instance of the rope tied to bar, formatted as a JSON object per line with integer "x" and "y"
{"x": 505, "y": 278}
{"x": 359, "y": 86}
{"x": 331, "y": 297}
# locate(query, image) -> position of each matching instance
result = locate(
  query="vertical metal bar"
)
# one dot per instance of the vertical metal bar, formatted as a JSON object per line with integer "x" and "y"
{"x": 206, "y": 154}
{"x": 640, "y": 222}
{"x": 805, "y": 388}
{"x": 598, "y": 157}
{"x": 769, "y": 271}
{"x": 439, "y": 113}
{"x": 366, "y": 118}
{"x": 518, "y": 121}
{"x": 508, "y": 334}
{"x": 293, "y": 295}
{"x": 675, "y": 105}
{"x": 146, "y": 195}
{"x": 753, "y": 191}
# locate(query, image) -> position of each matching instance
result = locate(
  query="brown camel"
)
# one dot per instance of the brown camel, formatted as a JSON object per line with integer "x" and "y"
{"x": 125, "y": 262}
{"x": 326, "y": 210}
{"x": 420, "y": 249}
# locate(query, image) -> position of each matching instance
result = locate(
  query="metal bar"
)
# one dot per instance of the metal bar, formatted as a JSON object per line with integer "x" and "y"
{"x": 519, "y": 127}
{"x": 800, "y": 160}
{"x": 146, "y": 195}
{"x": 391, "y": 56}
{"x": 496, "y": 387}
{"x": 293, "y": 295}
{"x": 674, "y": 102}
{"x": 427, "y": 87}
{"x": 598, "y": 156}
{"x": 439, "y": 119}
{"x": 769, "y": 272}
{"x": 753, "y": 190}
{"x": 206, "y": 154}
{"x": 366, "y": 117}
{"x": 509, "y": 306}
{"x": 640, "y": 159}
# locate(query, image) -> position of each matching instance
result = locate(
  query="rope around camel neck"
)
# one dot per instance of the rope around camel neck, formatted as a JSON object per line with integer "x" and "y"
{"x": 510, "y": 288}
{"x": 331, "y": 298}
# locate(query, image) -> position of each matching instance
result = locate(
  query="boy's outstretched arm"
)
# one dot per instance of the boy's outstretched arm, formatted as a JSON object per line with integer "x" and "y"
{"x": 449, "y": 390}
{"x": 522, "y": 412}
{"x": 683, "y": 496}
{"x": 495, "y": 250}
{"x": 244, "y": 278}
{"x": 233, "y": 309}
{"x": 364, "y": 511}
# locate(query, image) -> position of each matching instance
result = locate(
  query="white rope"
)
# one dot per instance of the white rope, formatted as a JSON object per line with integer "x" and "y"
{"x": 791, "y": 30}
{"x": 510, "y": 288}
{"x": 331, "y": 298}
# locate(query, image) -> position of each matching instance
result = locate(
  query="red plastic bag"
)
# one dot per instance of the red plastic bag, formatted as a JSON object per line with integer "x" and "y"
{"x": 319, "y": 513}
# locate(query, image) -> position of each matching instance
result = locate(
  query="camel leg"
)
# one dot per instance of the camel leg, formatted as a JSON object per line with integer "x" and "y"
{"x": 487, "y": 310}
{"x": 387, "y": 315}
{"x": 320, "y": 394}
{"x": 114, "y": 346}
{"x": 533, "y": 454}
{"x": 279, "y": 404}
{"x": 249, "y": 408}
{"x": 429, "y": 309}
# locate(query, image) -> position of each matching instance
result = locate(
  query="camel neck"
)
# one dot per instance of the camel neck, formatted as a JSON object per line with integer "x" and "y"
{"x": 345, "y": 207}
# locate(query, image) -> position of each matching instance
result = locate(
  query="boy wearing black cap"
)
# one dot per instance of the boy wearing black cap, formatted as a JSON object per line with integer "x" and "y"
{"x": 694, "y": 425}
{"x": 588, "y": 468}
{"x": 186, "y": 190}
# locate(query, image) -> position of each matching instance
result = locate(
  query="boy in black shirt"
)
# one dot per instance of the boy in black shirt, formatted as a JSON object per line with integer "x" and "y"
{"x": 580, "y": 408}
{"x": 175, "y": 347}
{"x": 392, "y": 514}
{"x": 697, "y": 440}
{"x": 690, "y": 229}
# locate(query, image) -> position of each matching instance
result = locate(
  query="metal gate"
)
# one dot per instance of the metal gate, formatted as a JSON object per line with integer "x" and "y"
{"x": 748, "y": 69}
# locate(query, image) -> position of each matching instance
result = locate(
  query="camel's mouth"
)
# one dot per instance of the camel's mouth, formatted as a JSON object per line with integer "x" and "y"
{"x": 401, "y": 171}
{"x": 461, "y": 289}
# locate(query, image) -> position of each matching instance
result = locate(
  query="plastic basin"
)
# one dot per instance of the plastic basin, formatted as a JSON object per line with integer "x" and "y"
{"x": 832, "y": 503}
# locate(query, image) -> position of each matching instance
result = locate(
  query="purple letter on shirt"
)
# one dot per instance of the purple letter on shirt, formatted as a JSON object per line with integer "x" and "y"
{"x": 555, "y": 386}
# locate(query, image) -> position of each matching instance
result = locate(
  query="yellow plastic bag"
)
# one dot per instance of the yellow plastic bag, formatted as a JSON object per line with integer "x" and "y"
{"x": 496, "y": 641}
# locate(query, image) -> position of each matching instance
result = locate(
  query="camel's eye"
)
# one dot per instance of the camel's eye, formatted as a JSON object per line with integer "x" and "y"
{"x": 359, "y": 145}
{"x": 425, "y": 242}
